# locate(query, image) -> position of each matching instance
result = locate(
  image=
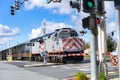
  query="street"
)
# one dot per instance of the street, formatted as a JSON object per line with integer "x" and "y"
{"x": 58, "y": 71}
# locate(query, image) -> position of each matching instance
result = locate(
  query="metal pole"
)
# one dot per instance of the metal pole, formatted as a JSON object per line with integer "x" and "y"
{"x": 94, "y": 46}
{"x": 118, "y": 32}
{"x": 44, "y": 53}
{"x": 93, "y": 56}
{"x": 102, "y": 43}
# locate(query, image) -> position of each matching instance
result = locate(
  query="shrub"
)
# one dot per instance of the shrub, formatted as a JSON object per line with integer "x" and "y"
{"x": 102, "y": 76}
{"x": 80, "y": 76}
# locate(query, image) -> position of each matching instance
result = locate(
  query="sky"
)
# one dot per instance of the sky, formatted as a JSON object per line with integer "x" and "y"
{"x": 27, "y": 23}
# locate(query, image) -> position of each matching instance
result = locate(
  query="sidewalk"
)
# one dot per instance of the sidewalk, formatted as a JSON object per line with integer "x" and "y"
{"x": 112, "y": 76}
{"x": 11, "y": 72}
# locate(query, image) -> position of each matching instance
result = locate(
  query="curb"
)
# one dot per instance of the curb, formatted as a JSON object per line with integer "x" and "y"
{"x": 40, "y": 65}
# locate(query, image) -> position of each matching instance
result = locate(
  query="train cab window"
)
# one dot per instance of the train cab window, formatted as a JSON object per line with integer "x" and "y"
{"x": 63, "y": 34}
{"x": 73, "y": 34}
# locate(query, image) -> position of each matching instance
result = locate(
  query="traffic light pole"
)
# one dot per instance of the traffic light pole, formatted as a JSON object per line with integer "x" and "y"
{"x": 118, "y": 32}
{"x": 93, "y": 58}
{"x": 93, "y": 47}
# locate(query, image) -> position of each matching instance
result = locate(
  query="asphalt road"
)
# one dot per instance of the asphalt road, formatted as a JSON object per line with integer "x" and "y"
{"x": 61, "y": 71}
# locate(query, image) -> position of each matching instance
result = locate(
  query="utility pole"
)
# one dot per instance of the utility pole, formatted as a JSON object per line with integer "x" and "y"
{"x": 9, "y": 53}
{"x": 44, "y": 52}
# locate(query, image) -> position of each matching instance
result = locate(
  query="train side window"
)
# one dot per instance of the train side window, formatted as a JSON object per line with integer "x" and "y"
{"x": 54, "y": 38}
{"x": 41, "y": 41}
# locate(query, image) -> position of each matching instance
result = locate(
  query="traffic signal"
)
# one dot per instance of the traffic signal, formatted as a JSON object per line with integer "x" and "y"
{"x": 90, "y": 22}
{"x": 76, "y": 4}
{"x": 86, "y": 22}
{"x": 88, "y": 6}
{"x": 112, "y": 33}
{"x": 100, "y": 7}
{"x": 17, "y": 5}
{"x": 56, "y": 0}
{"x": 117, "y": 3}
{"x": 12, "y": 10}
{"x": 48, "y": 1}
{"x": 97, "y": 20}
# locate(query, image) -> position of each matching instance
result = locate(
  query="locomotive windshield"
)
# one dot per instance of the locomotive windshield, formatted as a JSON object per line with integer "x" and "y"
{"x": 66, "y": 34}
{"x": 73, "y": 34}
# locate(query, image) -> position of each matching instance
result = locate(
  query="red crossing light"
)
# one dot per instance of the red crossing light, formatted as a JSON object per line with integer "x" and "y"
{"x": 97, "y": 21}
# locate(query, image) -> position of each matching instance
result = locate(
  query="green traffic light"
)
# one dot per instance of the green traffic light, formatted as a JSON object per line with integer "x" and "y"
{"x": 90, "y": 4}
{"x": 48, "y": 1}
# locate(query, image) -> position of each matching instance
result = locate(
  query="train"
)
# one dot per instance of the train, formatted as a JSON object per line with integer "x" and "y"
{"x": 63, "y": 45}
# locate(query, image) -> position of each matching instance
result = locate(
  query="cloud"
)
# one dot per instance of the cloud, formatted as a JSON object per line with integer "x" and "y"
{"x": 111, "y": 27}
{"x": 50, "y": 27}
{"x": 61, "y": 8}
{"x": 6, "y": 35}
{"x": 64, "y": 8}
{"x": 6, "y": 31}
{"x": 110, "y": 9}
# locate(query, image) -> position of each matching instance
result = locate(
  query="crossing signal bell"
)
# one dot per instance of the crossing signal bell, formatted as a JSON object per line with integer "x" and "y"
{"x": 76, "y": 4}
{"x": 12, "y": 10}
{"x": 88, "y": 5}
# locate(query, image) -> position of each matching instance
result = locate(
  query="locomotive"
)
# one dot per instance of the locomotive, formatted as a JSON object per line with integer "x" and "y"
{"x": 62, "y": 45}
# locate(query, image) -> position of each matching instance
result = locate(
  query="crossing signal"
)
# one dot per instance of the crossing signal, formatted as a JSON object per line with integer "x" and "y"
{"x": 86, "y": 22}
{"x": 12, "y": 10}
{"x": 90, "y": 22}
{"x": 88, "y": 5}
{"x": 97, "y": 20}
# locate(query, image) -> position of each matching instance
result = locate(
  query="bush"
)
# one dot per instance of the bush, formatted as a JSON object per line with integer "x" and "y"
{"x": 102, "y": 76}
{"x": 80, "y": 76}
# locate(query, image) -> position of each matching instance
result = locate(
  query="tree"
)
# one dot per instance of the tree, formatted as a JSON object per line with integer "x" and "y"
{"x": 110, "y": 44}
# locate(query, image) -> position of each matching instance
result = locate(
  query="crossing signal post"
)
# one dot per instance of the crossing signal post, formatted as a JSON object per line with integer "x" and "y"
{"x": 76, "y": 4}
{"x": 12, "y": 10}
